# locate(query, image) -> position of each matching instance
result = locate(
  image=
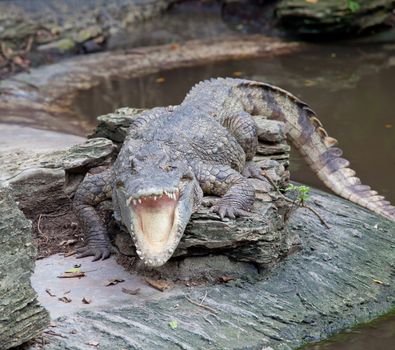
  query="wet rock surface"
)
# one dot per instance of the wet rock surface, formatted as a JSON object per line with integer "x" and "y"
{"x": 22, "y": 318}
{"x": 329, "y": 286}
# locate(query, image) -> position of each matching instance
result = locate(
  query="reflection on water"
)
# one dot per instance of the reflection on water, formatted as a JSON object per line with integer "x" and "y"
{"x": 351, "y": 89}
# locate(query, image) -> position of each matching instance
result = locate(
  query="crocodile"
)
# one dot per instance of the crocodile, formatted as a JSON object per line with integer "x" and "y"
{"x": 173, "y": 155}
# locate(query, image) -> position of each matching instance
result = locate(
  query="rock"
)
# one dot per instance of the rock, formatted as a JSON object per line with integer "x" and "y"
{"x": 60, "y": 46}
{"x": 79, "y": 159}
{"x": 62, "y": 27}
{"x": 327, "y": 287}
{"x": 193, "y": 269}
{"x": 36, "y": 179}
{"x": 88, "y": 33}
{"x": 92, "y": 153}
{"x": 270, "y": 130}
{"x": 272, "y": 149}
{"x": 114, "y": 126}
{"x": 329, "y": 18}
{"x": 22, "y": 318}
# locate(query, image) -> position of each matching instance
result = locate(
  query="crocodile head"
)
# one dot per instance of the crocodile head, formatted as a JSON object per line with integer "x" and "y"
{"x": 156, "y": 198}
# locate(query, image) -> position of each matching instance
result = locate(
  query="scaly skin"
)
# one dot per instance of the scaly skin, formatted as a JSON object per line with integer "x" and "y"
{"x": 205, "y": 145}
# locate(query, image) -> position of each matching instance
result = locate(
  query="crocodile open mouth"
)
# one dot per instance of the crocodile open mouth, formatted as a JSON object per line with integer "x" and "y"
{"x": 155, "y": 222}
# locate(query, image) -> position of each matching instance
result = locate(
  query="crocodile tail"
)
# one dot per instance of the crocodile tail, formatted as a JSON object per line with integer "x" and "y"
{"x": 308, "y": 135}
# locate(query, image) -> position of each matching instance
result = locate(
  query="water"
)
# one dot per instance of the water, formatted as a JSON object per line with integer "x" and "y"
{"x": 350, "y": 88}
{"x": 378, "y": 335}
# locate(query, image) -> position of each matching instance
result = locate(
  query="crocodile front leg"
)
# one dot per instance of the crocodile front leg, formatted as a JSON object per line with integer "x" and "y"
{"x": 92, "y": 191}
{"x": 237, "y": 193}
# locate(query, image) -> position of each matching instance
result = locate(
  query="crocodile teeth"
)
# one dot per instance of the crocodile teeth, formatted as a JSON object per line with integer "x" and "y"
{"x": 155, "y": 198}
{"x": 139, "y": 200}
{"x": 138, "y": 252}
{"x": 134, "y": 202}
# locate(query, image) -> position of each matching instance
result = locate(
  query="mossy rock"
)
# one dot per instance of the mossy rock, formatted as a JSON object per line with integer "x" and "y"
{"x": 335, "y": 17}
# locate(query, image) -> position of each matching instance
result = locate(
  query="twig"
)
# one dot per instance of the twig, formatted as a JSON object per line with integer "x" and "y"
{"x": 202, "y": 306}
{"x": 38, "y": 226}
{"x": 317, "y": 214}
{"x": 302, "y": 205}
{"x": 29, "y": 45}
{"x": 49, "y": 332}
{"x": 204, "y": 298}
{"x": 40, "y": 231}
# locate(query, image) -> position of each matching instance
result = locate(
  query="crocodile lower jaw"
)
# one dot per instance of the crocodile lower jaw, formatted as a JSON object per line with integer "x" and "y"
{"x": 155, "y": 221}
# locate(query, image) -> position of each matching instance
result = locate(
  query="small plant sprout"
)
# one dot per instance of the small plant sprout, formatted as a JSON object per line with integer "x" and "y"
{"x": 173, "y": 324}
{"x": 301, "y": 191}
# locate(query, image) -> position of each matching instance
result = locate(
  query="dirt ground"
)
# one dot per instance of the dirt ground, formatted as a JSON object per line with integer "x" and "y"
{"x": 57, "y": 232}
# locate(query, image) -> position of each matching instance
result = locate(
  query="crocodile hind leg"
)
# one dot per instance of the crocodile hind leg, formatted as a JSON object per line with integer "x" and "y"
{"x": 92, "y": 191}
{"x": 237, "y": 194}
{"x": 243, "y": 127}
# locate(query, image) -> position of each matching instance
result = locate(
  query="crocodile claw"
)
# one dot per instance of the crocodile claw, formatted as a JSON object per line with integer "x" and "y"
{"x": 99, "y": 252}
{"x": 226, "y": 210}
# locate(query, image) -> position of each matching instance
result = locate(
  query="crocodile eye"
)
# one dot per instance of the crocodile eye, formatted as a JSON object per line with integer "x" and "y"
{"x": 119, "y": 184}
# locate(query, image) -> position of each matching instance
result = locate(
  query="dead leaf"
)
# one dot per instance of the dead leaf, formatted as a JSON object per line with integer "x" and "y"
{"x": 86, "y": 301}
{"x": 65, "y": 299}
{"x": 50, "y": 332}
{"x": 160, "y": 285}
{"x": 131, "y": 291}
{"x": 192, "y": 283}
{"x": 309, "y": 83}
{"x": 93, "y": 343}
{"x": 174, "y": 46}
{"x": 73, "y": 270}
{"x": 237, "y": 74}
{"x": 72, "y": 275}
{"x": 50, "y": 293}
{"x": 226, "y": 279}
{"x": 19, "y": 61}
{"x": 114, "y": 281}
{"x": 73, "y": 252}
{"x": 381, "y": 283}
{"x": 160, "y": 80}
{"x": 388, "y": 126}
{"x": 311, "y": 1}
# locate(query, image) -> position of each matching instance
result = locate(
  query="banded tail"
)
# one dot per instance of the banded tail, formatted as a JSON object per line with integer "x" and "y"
{"x": 308, "y": 135}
